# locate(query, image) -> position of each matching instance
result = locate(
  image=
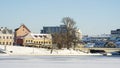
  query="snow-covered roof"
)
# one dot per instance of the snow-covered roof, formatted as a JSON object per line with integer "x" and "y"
{"x": 39, "y": 36}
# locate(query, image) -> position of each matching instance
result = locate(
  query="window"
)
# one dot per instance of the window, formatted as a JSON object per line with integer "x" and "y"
{"x": 42, "y": 42}
{"x": 31, "y": 41}
{"x": 40, "y": 36}
{"x": 7, "y": 37}
{"x": 37, "y": 42}
{"x": 3, "y": 37}
{"x": 10, "y": 37}
{"x": 6, "y": 43}
{"x": 35, "y": 36}
{"x": 10, "y": 43}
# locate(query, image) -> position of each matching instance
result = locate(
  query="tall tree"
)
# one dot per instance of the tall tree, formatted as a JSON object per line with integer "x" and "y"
{"x": 70, "y": 31}
{"x": 67, "y": 37}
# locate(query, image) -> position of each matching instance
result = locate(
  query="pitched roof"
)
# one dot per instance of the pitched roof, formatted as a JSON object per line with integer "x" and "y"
{"x": 5, "y": 31}
{"x": 39, "y": 36}
{"x": 23, "y": 26}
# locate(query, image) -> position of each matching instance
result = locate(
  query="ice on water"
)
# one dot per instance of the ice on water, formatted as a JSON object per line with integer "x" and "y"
{"x": 59, "y": 62}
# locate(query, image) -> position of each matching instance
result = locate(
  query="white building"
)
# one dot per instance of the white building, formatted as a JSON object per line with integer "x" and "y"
{"x": 78, "y": 34}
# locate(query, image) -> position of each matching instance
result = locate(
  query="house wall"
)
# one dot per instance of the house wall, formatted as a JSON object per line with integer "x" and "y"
{"x": 22, "y": 31}
{"x": 6, "y": 39}
{"x": 30, "y": 41}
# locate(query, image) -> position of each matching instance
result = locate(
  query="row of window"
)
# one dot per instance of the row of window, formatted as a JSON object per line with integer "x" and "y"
{"x": 38, "y": 42}
{"x": 5, "y": 37}
{"x": 5, "y": 43}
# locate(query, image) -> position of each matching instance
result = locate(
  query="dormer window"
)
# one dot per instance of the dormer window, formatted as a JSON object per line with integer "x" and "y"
{"x": 35, "y": 36}
{"x": 40, "y": 36}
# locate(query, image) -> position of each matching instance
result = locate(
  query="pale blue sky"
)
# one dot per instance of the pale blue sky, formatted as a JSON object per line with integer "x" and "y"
{"x": 91, "y": 16}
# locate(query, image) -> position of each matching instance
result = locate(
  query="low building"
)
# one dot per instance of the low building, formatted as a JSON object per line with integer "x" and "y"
{"x": 20, "y": 33}
{"x": 38, "y": 40}
{"x": 6, "y": 36}
{"x": 102, "y": 37}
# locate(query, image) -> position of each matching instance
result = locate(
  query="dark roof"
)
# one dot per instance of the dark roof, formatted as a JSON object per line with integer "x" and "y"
{"x": 16, "y": 29}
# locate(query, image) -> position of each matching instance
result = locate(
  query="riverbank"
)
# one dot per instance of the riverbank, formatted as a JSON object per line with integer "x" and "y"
{"x": 18, "y": 50}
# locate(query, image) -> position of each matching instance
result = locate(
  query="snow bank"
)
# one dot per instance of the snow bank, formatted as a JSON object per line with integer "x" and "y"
{"x": 18, "y": 50}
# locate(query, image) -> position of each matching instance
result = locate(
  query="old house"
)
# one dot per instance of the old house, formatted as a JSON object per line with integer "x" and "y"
{"x": 20, "y": 33}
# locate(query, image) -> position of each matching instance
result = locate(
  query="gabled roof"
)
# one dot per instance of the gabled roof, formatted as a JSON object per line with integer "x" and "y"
{"x": 23, "y": 26}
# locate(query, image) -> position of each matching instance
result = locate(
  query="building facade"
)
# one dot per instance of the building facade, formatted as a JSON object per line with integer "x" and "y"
{"x": 115, "y": 34}
{"x": 6, "y": 36}
{"x": 20, "y": 33}
{"x": 37, "y": 40}
{"x": 53, "y": 29}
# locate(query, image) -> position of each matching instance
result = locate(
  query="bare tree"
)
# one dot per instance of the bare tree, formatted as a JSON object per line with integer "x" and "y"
{"x": 67, "y": 37}
{"x": 70, "y": 31}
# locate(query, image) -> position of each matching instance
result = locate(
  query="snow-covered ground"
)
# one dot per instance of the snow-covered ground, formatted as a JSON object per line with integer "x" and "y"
{"x": 18, "y": 50}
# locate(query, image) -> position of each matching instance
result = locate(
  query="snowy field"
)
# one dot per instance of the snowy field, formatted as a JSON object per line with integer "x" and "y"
{"x": 18, "y": 50}
{"x": 59, "y": 62}
{"x": 27, "y": 57}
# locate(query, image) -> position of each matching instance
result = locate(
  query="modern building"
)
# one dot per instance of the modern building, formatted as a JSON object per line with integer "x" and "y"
{"x": 37, "y": 40}
{"x": 6, "y": 36}
{"x": 115, "y": 34}
{"x": 20, "y": 33}
{"x": 99, "y": 41}
{"x": 102, "y": 37}
{"x": 53, "y": 29}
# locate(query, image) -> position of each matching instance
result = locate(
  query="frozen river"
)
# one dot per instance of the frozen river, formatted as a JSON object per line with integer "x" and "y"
{"x": 59, "y": 61}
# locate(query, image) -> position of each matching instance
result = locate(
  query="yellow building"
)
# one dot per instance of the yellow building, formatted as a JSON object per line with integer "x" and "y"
{"x": 6, "y": 36}
{"x": 38, "y": 40}
{"x": 6, "y": 39}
